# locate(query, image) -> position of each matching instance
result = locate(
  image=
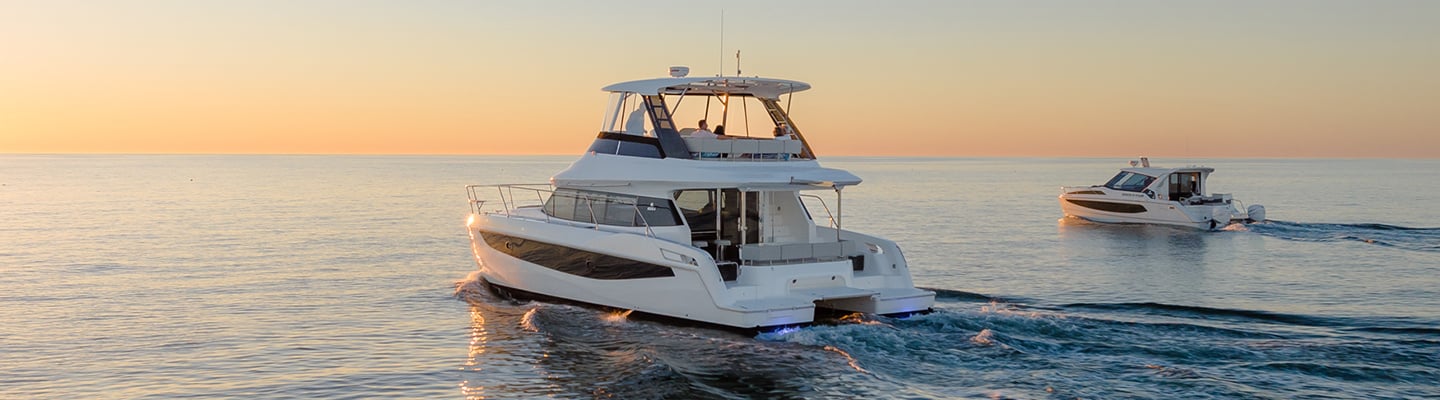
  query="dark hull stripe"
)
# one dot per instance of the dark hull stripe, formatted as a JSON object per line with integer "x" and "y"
{"x": 1108, "y": 206}
{"x": 574, "y": 261}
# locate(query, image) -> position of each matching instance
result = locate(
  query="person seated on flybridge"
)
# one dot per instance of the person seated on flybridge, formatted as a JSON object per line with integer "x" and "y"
{"x": 704, "y": 131}
{"x": 782, "y": 133}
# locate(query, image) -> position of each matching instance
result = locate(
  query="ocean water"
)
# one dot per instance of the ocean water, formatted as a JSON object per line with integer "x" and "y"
{"x": 350, "y": 277}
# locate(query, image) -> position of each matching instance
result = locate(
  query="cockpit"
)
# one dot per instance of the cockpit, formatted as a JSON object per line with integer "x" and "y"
{"x": 718, "y": 119}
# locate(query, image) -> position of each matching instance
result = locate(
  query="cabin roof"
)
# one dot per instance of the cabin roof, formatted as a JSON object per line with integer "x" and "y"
{"x": 601, "y": 170}
{"x": 1158, "y": 172}
{"x": 715, "y": 85}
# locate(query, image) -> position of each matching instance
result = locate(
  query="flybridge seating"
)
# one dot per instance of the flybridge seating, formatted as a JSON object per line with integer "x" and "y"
{"x": 743, "y": 149}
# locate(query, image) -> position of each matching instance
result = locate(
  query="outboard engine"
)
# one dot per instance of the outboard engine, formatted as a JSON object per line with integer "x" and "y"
{"x": 1219, "y": 217}
{"x": 1255, "y": 213}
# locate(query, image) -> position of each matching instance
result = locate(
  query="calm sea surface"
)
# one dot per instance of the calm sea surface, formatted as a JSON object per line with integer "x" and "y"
{"x": 350, "y": 277}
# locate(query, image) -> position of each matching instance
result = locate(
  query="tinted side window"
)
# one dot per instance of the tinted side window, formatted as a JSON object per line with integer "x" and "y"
{"x": 583, "y": 206}
{"x": 698, "y": 208}
{"x": 610, "y": 209}
{"x": 561, "y": 204}
{"x": 618, "y": 212}
{"x": 656, "y": 212}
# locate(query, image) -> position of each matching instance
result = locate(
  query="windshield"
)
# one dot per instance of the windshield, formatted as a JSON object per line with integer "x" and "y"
{"x": 1129, "y": 181}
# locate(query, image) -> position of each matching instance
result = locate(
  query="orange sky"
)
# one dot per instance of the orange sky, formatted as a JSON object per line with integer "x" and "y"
{"x": 948, "y": 78}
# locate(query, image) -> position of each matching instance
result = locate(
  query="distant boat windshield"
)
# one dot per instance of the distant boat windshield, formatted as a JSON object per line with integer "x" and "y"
{"x": 1130, "y": 181}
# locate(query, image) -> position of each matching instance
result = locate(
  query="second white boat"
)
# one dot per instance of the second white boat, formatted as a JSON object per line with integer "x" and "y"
{"x": 1143, "y": 194}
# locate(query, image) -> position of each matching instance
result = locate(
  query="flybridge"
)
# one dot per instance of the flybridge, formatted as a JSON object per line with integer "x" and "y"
{"x": 721, "y": 118}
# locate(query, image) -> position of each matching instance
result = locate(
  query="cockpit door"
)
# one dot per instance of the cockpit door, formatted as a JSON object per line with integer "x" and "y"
{"x": 1184, "y": 185}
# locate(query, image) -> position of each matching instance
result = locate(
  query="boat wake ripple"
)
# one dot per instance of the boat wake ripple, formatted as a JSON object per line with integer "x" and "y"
{"x": 1206, "y": 313}
{"x": 1399, "y": 237}
{"x": 1020, "y": 351}
{"x": 972, "y": 345}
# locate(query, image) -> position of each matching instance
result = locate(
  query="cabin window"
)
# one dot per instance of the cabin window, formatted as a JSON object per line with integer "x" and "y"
{"x": 584, "y": 205}
{"x": 655, "y": 212}
{"x": 619, "y": 213}
{"x": 698, "y": 207}
{"x": 561, "y": 204}
{"x": 1130, "y": 182}
{"x": 625, "y": 145}
{"x": 610, "y": 209}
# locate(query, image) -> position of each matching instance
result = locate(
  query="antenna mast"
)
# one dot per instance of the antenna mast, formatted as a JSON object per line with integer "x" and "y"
{"x": 721, "y": 70}
{"x": 737, "y": 62}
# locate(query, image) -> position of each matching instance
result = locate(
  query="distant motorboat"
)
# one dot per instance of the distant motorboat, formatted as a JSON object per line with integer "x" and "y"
{"x": 693, "y": 227}
{"x": 1153, "y": 195}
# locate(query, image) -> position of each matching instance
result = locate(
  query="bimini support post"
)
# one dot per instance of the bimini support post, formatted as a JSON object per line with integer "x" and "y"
{"x": 839, "y": 210}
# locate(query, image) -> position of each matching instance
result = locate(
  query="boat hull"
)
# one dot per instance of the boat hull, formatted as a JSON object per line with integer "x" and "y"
{"x": 679, "y": 281}
{"x": 1109, "y": 209}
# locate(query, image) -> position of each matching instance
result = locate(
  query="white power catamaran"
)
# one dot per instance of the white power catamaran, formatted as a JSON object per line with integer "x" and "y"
{"x": 714, "y": 229}
{"x": 1152, "y": 195}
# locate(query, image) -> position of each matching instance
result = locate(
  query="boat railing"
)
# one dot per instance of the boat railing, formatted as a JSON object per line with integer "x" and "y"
{"x": 1239, "y": 206}
{"x": 509, "y": 201}
{"x": 1072, "y": 189}
{"x": 507, "y": 197}
{"x": 823, "y": 206}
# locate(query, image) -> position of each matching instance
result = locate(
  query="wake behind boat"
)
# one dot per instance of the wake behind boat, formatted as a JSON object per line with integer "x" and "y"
{"x": 701, "y": 227}
{"x": 1154, "y": 195}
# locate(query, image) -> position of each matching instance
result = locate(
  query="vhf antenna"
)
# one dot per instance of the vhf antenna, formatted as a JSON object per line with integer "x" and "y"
{"x": 721, "y": 71}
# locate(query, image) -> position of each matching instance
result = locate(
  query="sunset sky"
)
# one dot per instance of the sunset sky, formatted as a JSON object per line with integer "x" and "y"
{"x": 1304, "y": 78}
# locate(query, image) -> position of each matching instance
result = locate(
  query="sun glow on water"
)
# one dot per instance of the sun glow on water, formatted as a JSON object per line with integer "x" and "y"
{"x": 617, "y": 316}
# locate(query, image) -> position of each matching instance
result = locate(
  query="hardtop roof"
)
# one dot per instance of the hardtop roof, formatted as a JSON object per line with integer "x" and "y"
{"x": 715, "y": 85}
{"x": 1159, "y": 171}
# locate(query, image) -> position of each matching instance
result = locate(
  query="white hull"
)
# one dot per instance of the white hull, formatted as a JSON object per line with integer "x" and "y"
{"x": 762, "y": 296}
{"x": 1154, "y": 195}
{"x": 1202, "y": 216}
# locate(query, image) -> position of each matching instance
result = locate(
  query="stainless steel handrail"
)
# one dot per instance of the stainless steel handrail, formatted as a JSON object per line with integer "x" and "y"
{"x": 822, "y": 205}
{"x": 508, "y": 202}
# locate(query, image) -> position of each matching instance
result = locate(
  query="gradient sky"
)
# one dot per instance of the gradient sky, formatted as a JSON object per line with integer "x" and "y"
{"x": 1304, "y": 78}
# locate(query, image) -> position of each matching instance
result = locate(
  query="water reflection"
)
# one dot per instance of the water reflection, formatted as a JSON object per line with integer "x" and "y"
{"x": 540, "y": 349}
{"x": 1135, "y": 239}
{"x": 479, "y": 340}
{"x": 1137, "y": 261}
